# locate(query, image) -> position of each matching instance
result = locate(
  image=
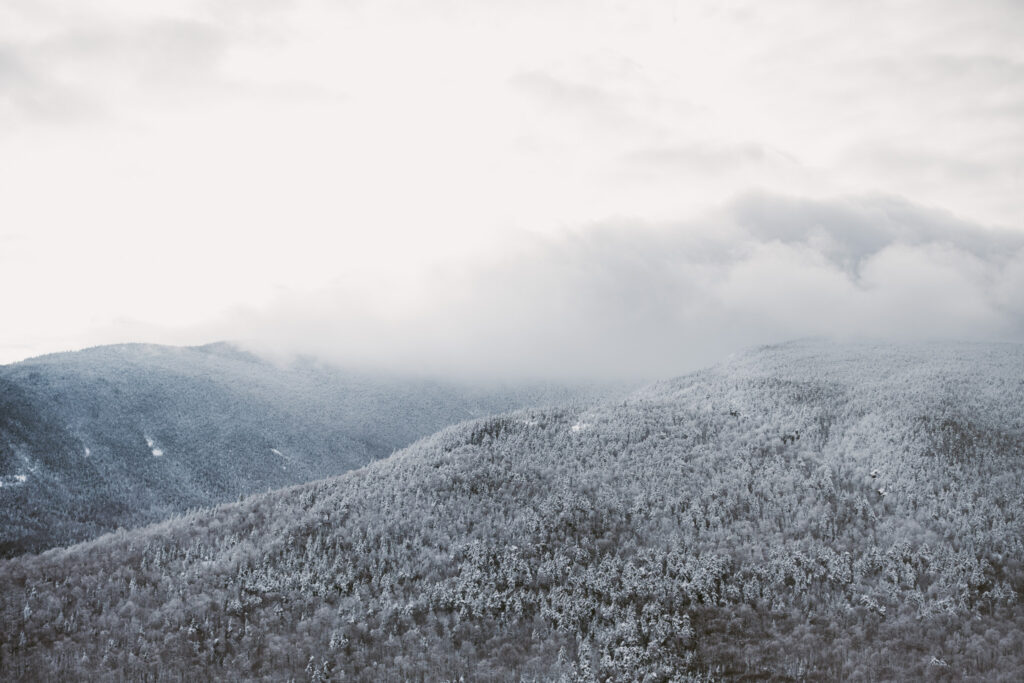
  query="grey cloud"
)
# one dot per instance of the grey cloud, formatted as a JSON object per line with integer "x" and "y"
{"x": 621, "y": 300}
{"x": 974, "y": 71}
{"x": 12, "y": 71}
{"x": 88, "y": 66}
{"x": 992, "y": 69}
{"x": 60, "y": 78}
{"x": 849, "y": 232}
{"x": 182, "y": 52}
{"x": 924, "y": 163}
{"x": 166, "y": 50}
{"x": 615, "y": 96}
{"x": 581, "y": 97}
{"x": 27, "y": 92}
{"x": 183, "y": 49}
{"x": 957, "y": 87}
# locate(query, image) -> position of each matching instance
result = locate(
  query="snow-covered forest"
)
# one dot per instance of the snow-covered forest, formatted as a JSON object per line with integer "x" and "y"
{"x": 805, "y": 511}
{"x": 125, "y": 435}
{"x": 423, "y": 340}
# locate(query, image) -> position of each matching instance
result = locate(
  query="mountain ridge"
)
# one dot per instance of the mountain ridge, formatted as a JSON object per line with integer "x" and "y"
{"x": 723, "y": 526}
{"x": 128, "y": 434}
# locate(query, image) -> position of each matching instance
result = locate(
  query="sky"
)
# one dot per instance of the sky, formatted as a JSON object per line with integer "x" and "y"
{"x": 566, "y": 187}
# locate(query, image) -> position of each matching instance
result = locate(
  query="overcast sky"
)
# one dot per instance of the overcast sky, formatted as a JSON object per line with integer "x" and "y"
{"x": 559, "y": 186}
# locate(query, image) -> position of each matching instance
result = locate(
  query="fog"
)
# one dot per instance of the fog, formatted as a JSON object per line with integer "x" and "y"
{"x": 560, "y": 187}
{"x": 627, "y": 300}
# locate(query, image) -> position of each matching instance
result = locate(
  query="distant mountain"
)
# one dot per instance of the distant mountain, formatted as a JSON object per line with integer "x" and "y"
{"x": 126, "y": 435}
{"x": 805, "y": 511}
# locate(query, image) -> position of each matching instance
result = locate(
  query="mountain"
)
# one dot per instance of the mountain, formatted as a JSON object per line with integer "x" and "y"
{"x": 126, "y": 435}
{"x": 806, "y": 511}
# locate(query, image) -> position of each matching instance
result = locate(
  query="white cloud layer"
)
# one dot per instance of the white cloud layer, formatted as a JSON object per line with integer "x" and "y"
{"x": 355, "y": 167}
{"x": 654, "y": 300}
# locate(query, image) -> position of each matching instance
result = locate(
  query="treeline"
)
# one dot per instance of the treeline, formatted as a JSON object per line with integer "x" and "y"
{"x": 748, "y": 522}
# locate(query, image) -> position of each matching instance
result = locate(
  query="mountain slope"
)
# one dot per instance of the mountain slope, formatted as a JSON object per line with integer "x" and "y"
{"x": 124, "y": 435}
{"x": 804, "y": 511}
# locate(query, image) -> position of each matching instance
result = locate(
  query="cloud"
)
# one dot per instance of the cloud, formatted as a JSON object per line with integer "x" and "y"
{"x": 151, "y": 52}
{"x": 224, "y": 167}
{"x": 27, "y": 93}
{"x": 126, "y": 65}
{"x": 640, "y": 300}
{"x": 602, "y": 104}
{"x": 852, "y": 232}
{"x": 703, "y": 158}
{"x": 563, "y": 93}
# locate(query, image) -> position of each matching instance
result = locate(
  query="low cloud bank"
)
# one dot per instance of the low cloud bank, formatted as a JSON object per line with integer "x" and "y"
{"x": 622, "y": 300}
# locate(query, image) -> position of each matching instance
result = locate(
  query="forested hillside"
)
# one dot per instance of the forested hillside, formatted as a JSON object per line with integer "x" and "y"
{"x": 131, "y": 434}
{"x": 808, "y": 511}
